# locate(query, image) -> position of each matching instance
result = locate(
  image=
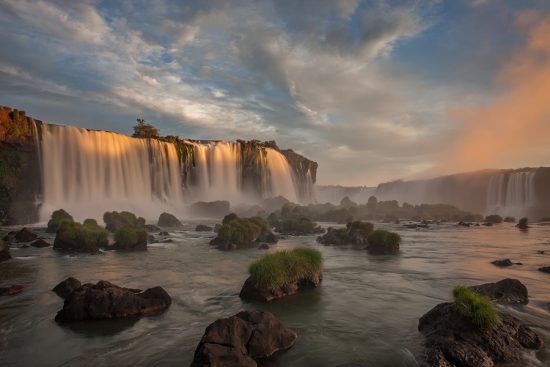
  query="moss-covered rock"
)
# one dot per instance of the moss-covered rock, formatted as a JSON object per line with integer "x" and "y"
{"x": 57, "y": 218}
{"x": 297, "y": 225}
{"x": 355, "y": 233}
{"x": 169, "y": 220}
{"x": 523, "y": 223}
{"x": 381, "y": 242}
{"x": 115, "y": 220}
{"x": 494, "y": 219}
{"x": 242, "y": 233}
{"x": 4, "y": 251}
{"x": 73, "y": 236}
{"x": 130, "y": 239}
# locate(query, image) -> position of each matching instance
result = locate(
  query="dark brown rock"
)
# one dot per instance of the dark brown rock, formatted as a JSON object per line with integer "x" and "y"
{"x": 250, "y": 292}
{"x": 24, "y": 235}
{"x": 12, "y": 290}
{"x": 203, "y": 228}
{"x": 66, "y": 287}
{"x": 545, "y": 269}
{"x": 452, "y": 340}
{"x": 504, "y": 291}
{"x": 169, "y": 220}
{"x": 40, "y": 243}
{"x": 4, "y": 251}
{"x": 242, "y": 340}
{"x": 105, "y": 300}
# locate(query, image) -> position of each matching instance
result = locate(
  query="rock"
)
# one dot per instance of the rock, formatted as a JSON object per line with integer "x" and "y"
{"x": 545, "y": 269}
{"x": 4, "y": 251}
{"x": 24, "y": 235}
{"x": 523, "y": 224}
{"x": 238, "y": 233}
{"x": 488, "y": 224}
{"x": 250, "y": 292}
{"x": 105, "y": 300}
{"x": 502, "y": 263}
{"x": 355, "y": 233}
{"x": 12, "y": 290}
{"x": 115, "y": 220}
{"x": 76, "y": 237}
{"x": 464, "y": 224}
{"x": 151, "y": 228}
{"x": 452, "y": 339}
{"x": 130, "y": 239}
{"x": 164, "y": 233}
{"x": 40, "y": 243}
{"x": 263, "y": 246}
{"x": 510, "y": 291}
{"x": 382, "y": 242}
{"x": 58, "y": 216}
{"x": 203, "y": 228}
{"x": 242, "y": 340}
{"x": 540, "y": 252}
{"x": 168, "y": 220}
{"x": 66, "y": 287}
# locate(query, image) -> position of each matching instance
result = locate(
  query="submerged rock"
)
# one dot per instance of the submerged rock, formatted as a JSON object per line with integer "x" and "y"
{"x": 4, "y": 251}
{"x": 105, "y": 300}
{"x": 510, "y": 291}
{"x": 40, "y": 243}
{"x": 545, "y": 269}
{"x": 242, "y": 340}
{"x": 452, "y": 339}
{"x": 66, "y": 287}
{"x": 169, "y": 220}
{"x": 12, "y": 290}
{"x": 504, "y": 263}
{"x": 203, "y": 228}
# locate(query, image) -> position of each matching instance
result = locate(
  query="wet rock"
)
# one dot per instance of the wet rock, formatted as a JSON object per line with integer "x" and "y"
{"x": 488, "y": 224}
{"x": 263, "y": 246}
{"x": 502, "y": 263}
{"x": 355, "y": 233}
{"x": 164, "y": 233}
{"x": 452, "y": 339}
{"x": 66, "y": 287}
{"x": 203, "y": 228}
{"x": 242, "y": 340}
{"x": 510, "y": 291}
{"x": 169, "y": 220}
{"x": 105, "y": 300}
{"x": 12, "y": 290}
{"x": 24, "y": 235}
{"x": 464, "y": 224}
{"x": 250, "y": 292}
{"x": 523, "y": 224}
{"x": 130, "y": 239}
{"x": 4, "y": 251}
{"x": 545, "y": 269}
{"x": 40, "y": 243}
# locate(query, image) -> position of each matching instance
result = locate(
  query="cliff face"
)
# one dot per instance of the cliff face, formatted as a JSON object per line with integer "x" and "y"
{"x": 19, "y": 167}
{"x": 77, "y": 160}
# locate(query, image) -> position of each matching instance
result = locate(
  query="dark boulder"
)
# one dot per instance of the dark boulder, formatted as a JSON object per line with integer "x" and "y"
{"x": 24, "y": 235}
{"x": 151, "y": 228}
{"x": 453, "y": 340}
{"x": 545, "y": 269}
{"x": 76, "y": 237}
{"x": 66, "y": 287}
{"x": 57, "y": 218}
{"x": 40, "y": 243}
{"x": 510, "y": 291}
{"x": 355, "y": 233}
{"x": 203, "y": 228}
{"x": 504, "y": 263}
{"x": 169, "y": 220}
{"x": 242, "y": 340}
{"x": 105, "y": 300}
{"x": 4, "y": 251}
{"x": 251, "y": 292}
{"x": 12, "y": 290}
{"x": 464, "y": 224}
{"x": 263, "y": 246}
{"x": 523, "y": 224}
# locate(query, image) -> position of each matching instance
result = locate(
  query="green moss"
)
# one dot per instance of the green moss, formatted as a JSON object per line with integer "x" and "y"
{"x": 523, "y": 223}
{"x": 87, "y": 236}
{"x": 243, "y": 231}
{"x": 282, "y": 268}
{"x": 383, "y": 239}
{"x": 479, "y": 309}
{"x": 57, "y": 218}
{"x": 115, "y": 220}
{"x": 297, "y": 225}
{"x": 128, "y": 238}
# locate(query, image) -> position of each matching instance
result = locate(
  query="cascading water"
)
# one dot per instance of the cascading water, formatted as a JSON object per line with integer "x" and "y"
{"x": 511, "y": 194}
{"x": 89, "y": 172}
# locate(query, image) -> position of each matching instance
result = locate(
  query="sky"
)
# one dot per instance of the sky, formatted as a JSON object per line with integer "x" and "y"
{"x": 371, "y": 90}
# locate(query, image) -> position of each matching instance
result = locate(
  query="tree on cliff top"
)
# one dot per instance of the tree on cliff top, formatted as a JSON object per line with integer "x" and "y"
{"x": 145, "y": 130}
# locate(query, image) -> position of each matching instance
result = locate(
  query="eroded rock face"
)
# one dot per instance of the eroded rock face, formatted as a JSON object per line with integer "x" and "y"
{"x": 250, "y": 292}
{"x": 66, "y": 287}
{"x": 452, "y": 340}
{"x": 510, "y": 291}
{"x": 242, "y": 340}
{"x": 105, "y": 300}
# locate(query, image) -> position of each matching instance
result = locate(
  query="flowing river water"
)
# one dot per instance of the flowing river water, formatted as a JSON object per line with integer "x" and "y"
{"x": 365, "y": 313}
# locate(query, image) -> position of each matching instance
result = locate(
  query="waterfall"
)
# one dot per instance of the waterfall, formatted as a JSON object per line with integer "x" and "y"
{"x": 511, "y": 194}
{"x": 89, "y": 172}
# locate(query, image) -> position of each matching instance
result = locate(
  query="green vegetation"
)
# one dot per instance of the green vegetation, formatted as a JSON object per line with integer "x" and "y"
{"x": 279, "y": 269}
{"x": 127, "y": 238}
{"x": 355, "y": 233}
{"x": 479, "y": 309}
{"x": 115, "y": 220}
{"x": 494, "y": 219}
{"x": 523, "y": 223}
{"x": 294, "y": 224}
{"x": 168, "y": 220}
{"x": 383, "y": 242}
{"x": 83, "y": 237}
{"x": 242, "y": 232}
{"x": 145, "y": 130}
{"x": 59, "y": 216}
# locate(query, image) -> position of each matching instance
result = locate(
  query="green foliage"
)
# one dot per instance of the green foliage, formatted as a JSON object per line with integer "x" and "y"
{"x": 115, "y": 220}
{"x": 358, "y": 228}
{"x": 229, "y": 217}
{"x": 145, "y": 130}
{"x": 88, "y": 235}
{"x": 523, "y": 223}
{"x": 383, "y": 238}
{"x": 243, "y": 231}
{"x": 282, "y": 268}
{"x": 127, "y": 237}
{"x": 493, "y": 218}
{"x": 57, "y": 218}
{"x": 90, "y": 222}
{"x": 479, "y": 309}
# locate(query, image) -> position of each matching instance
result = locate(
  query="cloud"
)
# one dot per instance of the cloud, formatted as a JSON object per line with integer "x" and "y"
{"x": 513, "y": 130}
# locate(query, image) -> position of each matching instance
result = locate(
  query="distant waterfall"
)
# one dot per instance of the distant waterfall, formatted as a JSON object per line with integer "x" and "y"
{"x": 89, "y": 172}
{"x": 511, "y": 194}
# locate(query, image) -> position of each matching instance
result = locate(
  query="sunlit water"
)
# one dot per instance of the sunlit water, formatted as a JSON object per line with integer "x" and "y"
{"x": 365, "y": 313}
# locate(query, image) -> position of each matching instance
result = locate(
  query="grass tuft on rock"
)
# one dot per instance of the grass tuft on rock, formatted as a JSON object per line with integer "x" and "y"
{"x": 115, "y": 220}
{"x": 276, "y": 270}
{"x": 128, "y": 237}
{"x": 57, "y": 218}
{"x": 479, "y": 309}
{"x": 383, "y": 238}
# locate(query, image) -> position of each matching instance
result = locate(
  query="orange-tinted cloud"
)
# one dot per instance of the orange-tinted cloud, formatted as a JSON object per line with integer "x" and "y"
{"x": 514, "y": 129}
